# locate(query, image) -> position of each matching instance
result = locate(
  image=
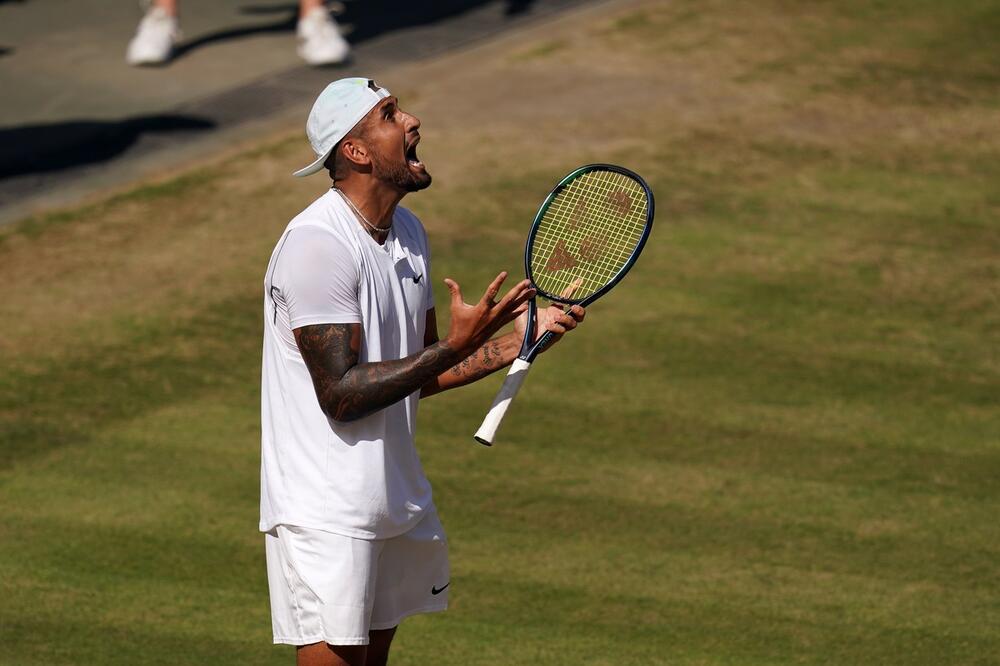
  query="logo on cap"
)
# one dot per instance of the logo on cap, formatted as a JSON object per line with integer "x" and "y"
{"x": 374, "y": 86}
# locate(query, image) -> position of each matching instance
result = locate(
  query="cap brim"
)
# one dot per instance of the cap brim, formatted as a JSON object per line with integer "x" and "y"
{"x": 314, "y": 167}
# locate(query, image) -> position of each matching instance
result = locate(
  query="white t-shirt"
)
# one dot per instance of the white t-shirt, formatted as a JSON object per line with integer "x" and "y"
{"x": 361, "y": 478}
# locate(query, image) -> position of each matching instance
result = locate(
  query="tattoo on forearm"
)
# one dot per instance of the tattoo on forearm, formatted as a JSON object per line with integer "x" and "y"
{"x": 348, "y": 390}
{"x": 480, "y": 363}
{"x": 462, "y": 368}
{"x": 494, "y": 360}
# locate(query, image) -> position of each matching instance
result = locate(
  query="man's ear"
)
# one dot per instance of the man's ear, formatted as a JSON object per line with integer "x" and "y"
{"x": 355, "y": 151}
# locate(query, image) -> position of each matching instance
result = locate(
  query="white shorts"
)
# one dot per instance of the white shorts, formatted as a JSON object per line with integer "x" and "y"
{"x": 334, "y": 588}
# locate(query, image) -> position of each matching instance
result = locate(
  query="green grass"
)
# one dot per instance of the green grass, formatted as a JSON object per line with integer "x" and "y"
{"x": 778, "y": 441}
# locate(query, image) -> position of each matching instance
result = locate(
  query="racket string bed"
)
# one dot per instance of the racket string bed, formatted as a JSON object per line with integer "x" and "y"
{"x": 614, "y": 235}
{"x": 585, "y": 212}
{"x": 617, "y": 230}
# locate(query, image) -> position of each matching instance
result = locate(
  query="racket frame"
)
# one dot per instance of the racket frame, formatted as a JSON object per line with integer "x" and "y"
{"x": 529, "y": 350}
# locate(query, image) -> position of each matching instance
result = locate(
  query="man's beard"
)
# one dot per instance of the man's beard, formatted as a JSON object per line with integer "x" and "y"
{"x": 399, "y": 174}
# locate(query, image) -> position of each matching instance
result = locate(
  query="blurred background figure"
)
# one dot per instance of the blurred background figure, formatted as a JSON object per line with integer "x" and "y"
{"x": 320, "y": 41}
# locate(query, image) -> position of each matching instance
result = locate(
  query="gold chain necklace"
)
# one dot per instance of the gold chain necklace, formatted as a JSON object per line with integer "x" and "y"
{"x": 361, "y": 216}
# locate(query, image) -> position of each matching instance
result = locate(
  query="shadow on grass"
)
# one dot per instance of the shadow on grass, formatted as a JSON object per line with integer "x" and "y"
{"x": 51, "y": 147}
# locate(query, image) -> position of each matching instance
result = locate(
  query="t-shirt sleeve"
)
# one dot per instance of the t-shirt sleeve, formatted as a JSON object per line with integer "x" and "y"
{"x": 317, "y": 277}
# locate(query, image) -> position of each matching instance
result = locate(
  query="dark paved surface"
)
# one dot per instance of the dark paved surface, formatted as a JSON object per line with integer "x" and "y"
{"x": 76, "y": 118}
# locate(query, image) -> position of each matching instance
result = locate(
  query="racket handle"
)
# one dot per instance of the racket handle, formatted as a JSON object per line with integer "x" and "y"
{"x": 511, "y": 385}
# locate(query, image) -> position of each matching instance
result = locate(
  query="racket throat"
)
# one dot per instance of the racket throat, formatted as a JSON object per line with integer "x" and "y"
{"x": 528, "y": 343}
{"x": 531, "y": 348}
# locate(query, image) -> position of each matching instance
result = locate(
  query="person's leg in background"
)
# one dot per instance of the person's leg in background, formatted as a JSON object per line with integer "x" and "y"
{"x": 320, "y": 41}
{"x": 156, "y": 35}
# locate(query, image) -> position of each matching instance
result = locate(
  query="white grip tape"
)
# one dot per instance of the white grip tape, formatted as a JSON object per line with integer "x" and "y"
{"x": 511, "y": 385}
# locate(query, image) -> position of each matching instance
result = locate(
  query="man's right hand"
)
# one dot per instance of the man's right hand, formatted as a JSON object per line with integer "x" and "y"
{"x": 473, "y": 325}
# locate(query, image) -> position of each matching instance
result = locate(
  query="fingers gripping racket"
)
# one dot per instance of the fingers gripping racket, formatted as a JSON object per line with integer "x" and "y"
{"x": 586, "y": 236}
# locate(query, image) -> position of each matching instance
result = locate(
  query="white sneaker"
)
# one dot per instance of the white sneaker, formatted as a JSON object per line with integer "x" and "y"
{"x": 320, "y": 42}
{"x": 154, "y": 40}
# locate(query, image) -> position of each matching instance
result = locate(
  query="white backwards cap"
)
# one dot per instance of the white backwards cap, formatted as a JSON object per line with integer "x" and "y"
{"x": 340, "y": 107}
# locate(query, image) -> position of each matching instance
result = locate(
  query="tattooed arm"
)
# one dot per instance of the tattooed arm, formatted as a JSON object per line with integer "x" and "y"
{"x": 501, "y": 350}
{"x": 490, "y": 357}
{"x": 348, "y": 390}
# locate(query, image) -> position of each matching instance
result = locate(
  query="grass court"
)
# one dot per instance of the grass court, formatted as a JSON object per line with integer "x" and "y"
{"x": 777, "y": 441}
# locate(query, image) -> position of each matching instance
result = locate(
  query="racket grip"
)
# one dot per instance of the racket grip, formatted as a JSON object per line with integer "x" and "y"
{"x": 511, "y": 385}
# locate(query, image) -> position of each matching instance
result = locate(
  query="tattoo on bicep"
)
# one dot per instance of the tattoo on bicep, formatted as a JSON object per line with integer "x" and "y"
{"x": 329, "y": 351}
{"x": 330, "y": 347}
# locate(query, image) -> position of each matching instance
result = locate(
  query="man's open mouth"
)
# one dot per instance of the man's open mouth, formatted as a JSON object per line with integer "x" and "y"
{"x": 411, "y": 155}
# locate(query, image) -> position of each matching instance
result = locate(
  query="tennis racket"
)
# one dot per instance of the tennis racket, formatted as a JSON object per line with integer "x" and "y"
{"x": 586, "y": 236}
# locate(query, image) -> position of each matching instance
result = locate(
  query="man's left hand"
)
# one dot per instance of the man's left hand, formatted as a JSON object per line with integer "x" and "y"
{"x": 553, "y": 318}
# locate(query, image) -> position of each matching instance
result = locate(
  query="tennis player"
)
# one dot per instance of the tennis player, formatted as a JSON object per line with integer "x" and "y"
{"x": 353, "y": 541}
